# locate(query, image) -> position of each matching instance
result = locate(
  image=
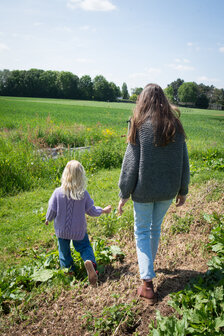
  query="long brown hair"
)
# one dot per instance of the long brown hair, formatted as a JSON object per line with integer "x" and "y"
{"x": 152, "y": 104}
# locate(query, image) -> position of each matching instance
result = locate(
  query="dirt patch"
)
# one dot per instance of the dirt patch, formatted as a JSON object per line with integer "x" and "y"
{"x": 180, "y": 258}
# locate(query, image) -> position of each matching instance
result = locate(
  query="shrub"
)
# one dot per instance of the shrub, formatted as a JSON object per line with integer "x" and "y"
{"x": 23, "y": 167}
{"x": 105, "y": 155}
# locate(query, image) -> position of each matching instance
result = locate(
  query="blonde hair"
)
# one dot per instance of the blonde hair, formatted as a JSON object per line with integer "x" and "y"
{"x": 152, "y": 104}
{"x": 73, "y": 180}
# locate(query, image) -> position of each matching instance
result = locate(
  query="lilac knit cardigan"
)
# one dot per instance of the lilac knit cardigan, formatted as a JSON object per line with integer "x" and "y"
{"x": 69, "y": 215}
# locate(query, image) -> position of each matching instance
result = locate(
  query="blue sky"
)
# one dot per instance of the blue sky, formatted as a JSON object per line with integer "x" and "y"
{"x": 136, "y": 42}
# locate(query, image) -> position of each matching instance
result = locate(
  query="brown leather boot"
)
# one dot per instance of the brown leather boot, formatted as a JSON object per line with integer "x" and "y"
{"x": 146, "y": 291}
{"x": 92, "y": 275}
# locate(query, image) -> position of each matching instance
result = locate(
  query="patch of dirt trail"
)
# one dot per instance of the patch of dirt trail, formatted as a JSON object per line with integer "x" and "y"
{"x": 180, "y": 257}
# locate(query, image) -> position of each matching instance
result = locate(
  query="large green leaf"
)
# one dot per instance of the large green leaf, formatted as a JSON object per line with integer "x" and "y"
{"x": 42, "y": 275}
{"x": 219, "y": 323}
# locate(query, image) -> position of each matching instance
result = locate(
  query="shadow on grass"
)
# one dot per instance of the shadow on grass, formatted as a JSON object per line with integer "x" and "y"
{"x": 114, "y": 274}
{"x": 175, "y": 281}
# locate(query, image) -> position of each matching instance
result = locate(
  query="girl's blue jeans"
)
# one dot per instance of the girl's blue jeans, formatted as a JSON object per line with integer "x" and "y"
{"x": 148, "y": 218}
{"x": 82, "y": 246}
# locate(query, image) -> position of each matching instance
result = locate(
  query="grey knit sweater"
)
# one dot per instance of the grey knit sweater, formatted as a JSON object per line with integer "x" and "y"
{"x": 151, "y": 173}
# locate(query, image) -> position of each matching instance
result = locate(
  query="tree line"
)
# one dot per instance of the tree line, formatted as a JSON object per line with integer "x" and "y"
{"x": 190, "y": 94}
{"x": 55, "y": 84}
{"x": 64, "y": 84}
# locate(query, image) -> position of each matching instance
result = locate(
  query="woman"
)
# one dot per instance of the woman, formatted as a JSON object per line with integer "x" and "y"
{"x": 155, "y": 169}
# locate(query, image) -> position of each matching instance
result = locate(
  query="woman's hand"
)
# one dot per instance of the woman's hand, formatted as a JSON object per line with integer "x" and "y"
{"x": 46, "y": 222}
{"x": 107, "y": 209}
{"x": 180, "y": 200}
{"x": 120, "y": 205}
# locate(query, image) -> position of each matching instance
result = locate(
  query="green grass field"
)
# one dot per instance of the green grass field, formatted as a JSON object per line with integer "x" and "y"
{"x": 204, "y": 128}
{"x": 17, "y": 112}
{"x": 28, "y": 178}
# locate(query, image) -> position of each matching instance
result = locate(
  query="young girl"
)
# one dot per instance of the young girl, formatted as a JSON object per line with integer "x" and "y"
{"x": 155, "y": 169}
{"x": 67, "y": 207}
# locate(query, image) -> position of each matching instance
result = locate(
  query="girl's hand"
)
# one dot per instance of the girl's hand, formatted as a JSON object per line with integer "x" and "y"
{"x": 46, "y": 222}
{"x": 180, "y": 200}
{"x": 120, "y": 205}
{"x": 107, "y": 209}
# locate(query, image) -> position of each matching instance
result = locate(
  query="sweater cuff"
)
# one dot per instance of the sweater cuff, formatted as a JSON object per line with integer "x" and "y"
{"x": 51, "y": 214}
{"x": 183, "y": 191}
{"x": 124, "y": 196}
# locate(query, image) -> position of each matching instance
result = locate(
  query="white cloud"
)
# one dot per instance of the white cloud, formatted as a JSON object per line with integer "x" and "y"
{"x": 38, "y": 24}
{"x": 63, "y": 29}
{"x": 181, "y": 65}
{"x": 153, "y": 71}
{"x": 184, "y": 60}
{"x": 84, "y": 28}
{"x": 3, "y": 47}
{"x": 148, "y": 72}
{"x": 91, "y": 5}
{"x": 221, "y": 49}
{"x": 83, "y": 60}
{"x": 87, "y": 29}
{"x": 26, "y": 37}
{"x": 194, "y": 46}
{"x": 138, "y": 75}
{"x": 208, "y": 80}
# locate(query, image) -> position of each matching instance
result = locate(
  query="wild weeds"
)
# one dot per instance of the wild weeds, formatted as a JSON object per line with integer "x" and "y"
{"x": 113, "y": 319}
{"x": 199, "y": 308}
{"x": 181, "y": 224}
{"x": 16, "y": 284}
{"x": 23, "y": 168}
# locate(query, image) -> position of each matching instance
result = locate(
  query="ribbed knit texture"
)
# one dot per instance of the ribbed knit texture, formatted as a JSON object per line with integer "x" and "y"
{"x": 152, "y": 173}
{"x": 69, "y": 215}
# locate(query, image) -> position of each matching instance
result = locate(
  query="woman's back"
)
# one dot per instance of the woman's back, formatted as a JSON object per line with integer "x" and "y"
{"x": 154, "y": 173}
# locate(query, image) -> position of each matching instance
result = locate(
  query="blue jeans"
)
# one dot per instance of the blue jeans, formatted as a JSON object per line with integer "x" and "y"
{"x": 148, "y": 219}
{"x": 81, "y": 246}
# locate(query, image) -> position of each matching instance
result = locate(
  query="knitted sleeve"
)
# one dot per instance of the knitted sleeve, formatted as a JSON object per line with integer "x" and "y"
{"x": 94, "y": 211}
{"x": 90, "y": 209}
{"x": 129, "y": 171}
{"x": 51, "y": 214}
{"x": 185, "y": 172}
{"x": 52, "y": 208}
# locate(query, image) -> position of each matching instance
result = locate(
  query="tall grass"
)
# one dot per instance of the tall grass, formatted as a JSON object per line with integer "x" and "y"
{"x": 23, "y": 168}
{"x": 29, "y": 126}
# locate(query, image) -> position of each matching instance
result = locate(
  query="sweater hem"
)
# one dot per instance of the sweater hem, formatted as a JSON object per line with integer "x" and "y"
{"x": 70, "y": 236}
{"x": 153, "y": 199}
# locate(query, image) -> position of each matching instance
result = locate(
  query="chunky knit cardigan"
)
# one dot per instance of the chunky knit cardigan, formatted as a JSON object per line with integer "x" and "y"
{"x": 154, "y": 173}
{"x": 69, "y": 215}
